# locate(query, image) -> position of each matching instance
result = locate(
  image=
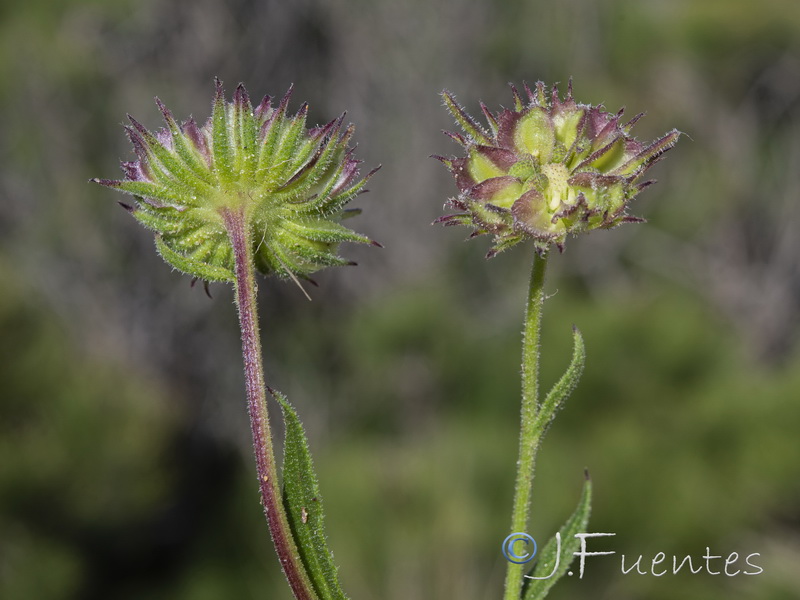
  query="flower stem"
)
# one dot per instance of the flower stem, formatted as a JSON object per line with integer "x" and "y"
{"x": 530, "y": 432}
{"x": 271, "y": 498}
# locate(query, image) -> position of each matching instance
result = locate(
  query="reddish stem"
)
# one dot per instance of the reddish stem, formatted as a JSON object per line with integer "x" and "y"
{"x": 257, "y": 408}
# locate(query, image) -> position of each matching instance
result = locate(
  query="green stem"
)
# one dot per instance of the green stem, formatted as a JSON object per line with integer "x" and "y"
{"x": 271, "y": 496}
{"x": 530, "y": 433}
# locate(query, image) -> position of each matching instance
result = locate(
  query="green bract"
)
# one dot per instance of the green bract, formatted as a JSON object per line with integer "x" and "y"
{"x": 289, "y": 184}
{"x": 546, "y": 169}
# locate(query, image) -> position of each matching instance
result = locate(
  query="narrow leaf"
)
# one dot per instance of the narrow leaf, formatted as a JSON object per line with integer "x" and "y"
{"x": 569, "y": 380}
{"x": 557, "y": 555}
{"x": 303, "y": 503}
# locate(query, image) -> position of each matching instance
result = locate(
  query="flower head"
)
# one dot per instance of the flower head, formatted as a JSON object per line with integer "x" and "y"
{"x": 546, "y": 168}
{"x": 289, "y": 184}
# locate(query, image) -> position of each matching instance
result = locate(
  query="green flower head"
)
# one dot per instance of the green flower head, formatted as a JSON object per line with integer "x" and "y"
{"x": 546, "y": 168}
{"x": 288, "y": 185}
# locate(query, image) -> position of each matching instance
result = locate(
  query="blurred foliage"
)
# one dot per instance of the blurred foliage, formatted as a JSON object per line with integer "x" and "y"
{"x": 125, "y": 467}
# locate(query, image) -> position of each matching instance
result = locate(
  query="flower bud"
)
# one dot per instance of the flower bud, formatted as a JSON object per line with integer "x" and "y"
{"x": 290, "y": 184}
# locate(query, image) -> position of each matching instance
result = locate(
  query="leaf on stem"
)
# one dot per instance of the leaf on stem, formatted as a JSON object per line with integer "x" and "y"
{"x": 545, "y": 574}
{"x": 303, "y": 503}
{"x": 569, "y": 380}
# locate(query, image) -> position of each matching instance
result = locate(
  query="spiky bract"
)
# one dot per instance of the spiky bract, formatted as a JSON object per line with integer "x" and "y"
{"x": 289, "y": 183}
{"x": 546, "y": 168}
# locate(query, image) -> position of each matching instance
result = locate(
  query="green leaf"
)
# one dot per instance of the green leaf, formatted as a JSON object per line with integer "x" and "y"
{"x": 569, "y": 380}
{"x": 557, "y": 555}
{"x": 303, "y": 503}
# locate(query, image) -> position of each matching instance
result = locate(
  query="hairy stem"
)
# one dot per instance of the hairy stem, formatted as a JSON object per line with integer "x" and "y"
{"x": 257, "y": 409}
{"x": 530, "y": 432}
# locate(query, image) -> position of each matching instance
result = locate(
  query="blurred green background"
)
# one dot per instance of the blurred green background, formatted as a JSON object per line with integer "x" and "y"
{"x": 125, "y": 467}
